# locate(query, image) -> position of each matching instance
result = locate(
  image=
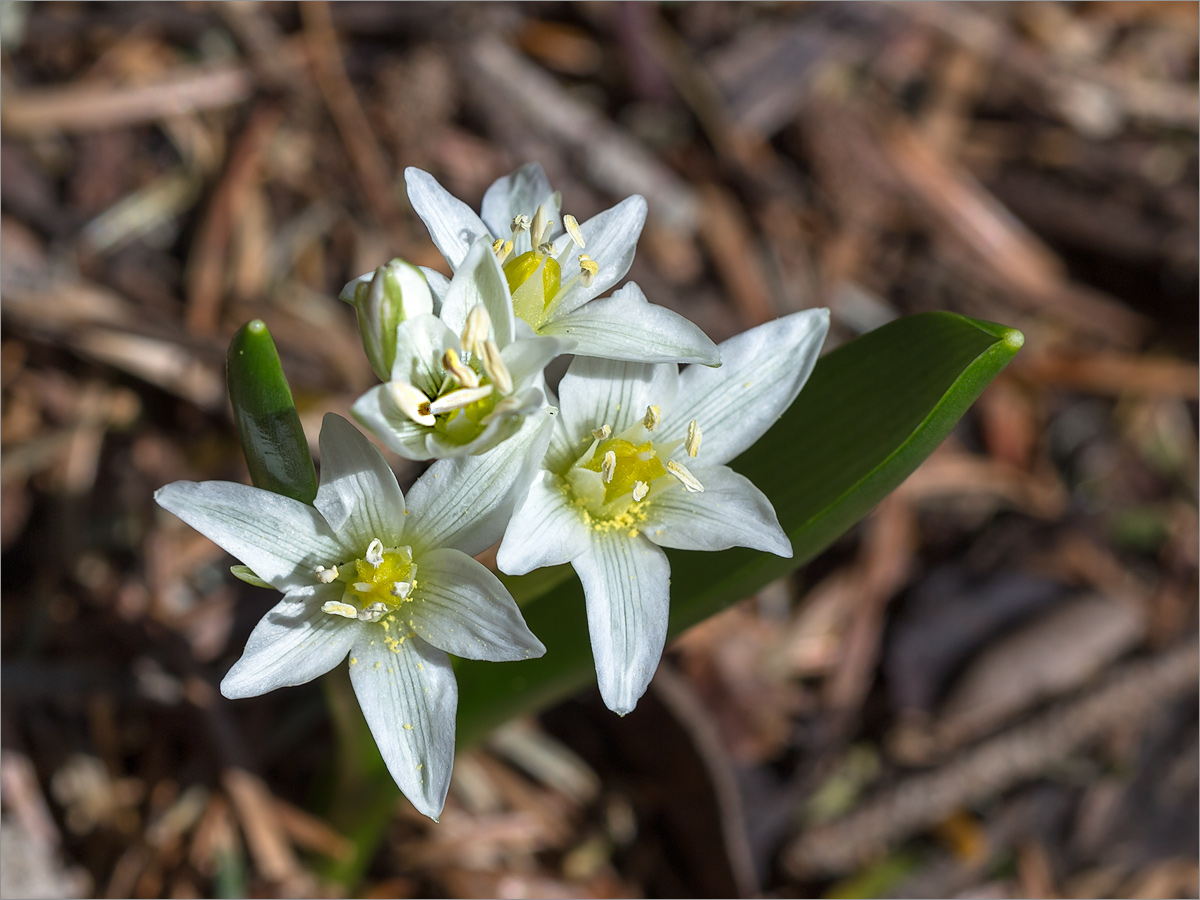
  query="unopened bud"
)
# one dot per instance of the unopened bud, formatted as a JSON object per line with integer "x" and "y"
{"x": 384, "y": 299}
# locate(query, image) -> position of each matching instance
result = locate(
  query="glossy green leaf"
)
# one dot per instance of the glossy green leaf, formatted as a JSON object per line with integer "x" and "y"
{"x": 871, "y": 412}
{"x": 267, "y": 422}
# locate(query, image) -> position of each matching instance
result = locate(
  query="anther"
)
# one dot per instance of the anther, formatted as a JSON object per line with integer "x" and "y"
{"x": 537, "y": 228}
{"x": 546, "y": 248}
{"x": 502, "y": 248}
{"x": 336, "y": 608}
{"x": 588, "y": 269}
{"x": 327, "y": 576}
{"x": 462, "y": 374}
{"x": 519, "y": 224}
{"x": 694, "y": 436}
{"x": 400, "y": 589}
{"x": 459, "y": 399}
{"x": 362, "y": 587}
{"x": 572, "y": 226}
{"x": 688, "y": 480}
{"x": 602, "y": 432}
{"x": 608, "y": 467}
{"x": 653, "y": 417}
{"x": 640, "y": 490}
{"x": 373, "y": 613}
{"x": 375, "y": 553}
{"x": 495, "y": 368}
{"x": 411, "y": 401}
{"x": 477, "y": 328}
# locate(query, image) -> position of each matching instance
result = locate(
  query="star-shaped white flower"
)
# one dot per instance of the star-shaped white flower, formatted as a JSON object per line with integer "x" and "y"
{"x": 556, "y": 267}
{"x": 392, "y": 585}
{"x": 461, "y": 381}
{"x": 637, "y": 463}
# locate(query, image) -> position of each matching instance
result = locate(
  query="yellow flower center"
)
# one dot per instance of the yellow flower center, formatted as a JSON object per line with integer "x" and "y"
{"x": 632, "y": 464}
{"x": 376, "y": 585}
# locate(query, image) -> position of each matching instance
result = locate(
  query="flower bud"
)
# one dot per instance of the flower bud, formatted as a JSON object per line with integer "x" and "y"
{"x": 385, "y": 298}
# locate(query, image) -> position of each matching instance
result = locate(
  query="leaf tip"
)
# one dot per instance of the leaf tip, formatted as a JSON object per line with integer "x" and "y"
{"x": 1014, "y": 340}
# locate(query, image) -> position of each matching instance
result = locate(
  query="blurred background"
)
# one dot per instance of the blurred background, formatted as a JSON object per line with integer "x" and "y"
{"x": 986, "y": 689}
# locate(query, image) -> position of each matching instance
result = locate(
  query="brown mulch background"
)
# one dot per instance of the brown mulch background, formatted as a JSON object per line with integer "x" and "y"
{"x": 988, "y": 688}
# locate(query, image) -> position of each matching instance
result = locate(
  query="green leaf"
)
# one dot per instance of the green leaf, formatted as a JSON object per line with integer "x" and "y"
{"x": 266, "y": 418}
{"x": 871, "y": 412}
{"x": 246, "y": 574}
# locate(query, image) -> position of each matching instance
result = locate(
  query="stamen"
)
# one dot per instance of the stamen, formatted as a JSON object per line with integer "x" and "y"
{"x": 502, "y": 248}
{"x": 608, "y": 467}
{"x": 478, "y": 327}
{"x": 653, "y": 417}
{"x": 362, "y": 587}
{"x": 458, "y": 399}
{"x": 546, "y": 248}
{"x": 640, "y": 490}
{"x": 327, "y": 576}
{"x": 541, "y": 221}
{"x": 337, "y": 608}
{"x": 375, "y": 553}
{"x": 602, "y": 432}
{"x": 494, "y": 366}
{"x": 411, "y": 401}
{"x": 572, "y": 226}
{"x": 373, "y": 613}
{"x": 401, "y": 588}
{"x": 462, "y": 374}
{"x": 694, "y": 436}
{"x": 689, "y": 480}
{"x": 519, "y": 224}
{"x": 588, "y": 269}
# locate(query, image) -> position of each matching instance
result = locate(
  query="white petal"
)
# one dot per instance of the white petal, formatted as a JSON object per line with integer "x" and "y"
{"x": 612, "y": 238}
{"x": 526, "y": 358}
{"x": 462, "y": 608}
{"x": 292, "y": 644}
{"x": 420, "y": 343}
{"x": 597, "y": 392}
{"x": 762, "y": 371}
{"x": 452, "y": 224}
{"x": 480, "y": 280}
{"x": 282, "y": 540}
{"x": 438, "y": 285}
{"x": 379, "y": 414}
{"x": 409, "y": 698}
{"x": 517, "y": 194}
{"x": 359, "y": 496}
{"x": 625, "y": 326}
{"x": 731, "y": 512}
{"x": 465, "y": 503}
{"x": 545, "y": 530}
{"x": 626, "y": 582}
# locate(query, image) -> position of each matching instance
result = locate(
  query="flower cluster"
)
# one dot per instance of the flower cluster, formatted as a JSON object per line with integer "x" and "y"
{"x": 628, "y": 459}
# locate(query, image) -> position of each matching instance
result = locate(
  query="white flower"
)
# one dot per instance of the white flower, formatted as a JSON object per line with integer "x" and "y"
{"x": 463, "y": 381}
{"x": 393, "y": 586}
{"x": 637, "y": 463}
{"x": 557, "y": 267}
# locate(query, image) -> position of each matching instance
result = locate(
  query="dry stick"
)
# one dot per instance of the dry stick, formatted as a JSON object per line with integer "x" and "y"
{"x": 206, "y": 263}
{"x": 1018, "y": 754}
{"x": 352, "y": 123}
{"x": 87, "y": 107}
{"x": 612, "y": 160}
